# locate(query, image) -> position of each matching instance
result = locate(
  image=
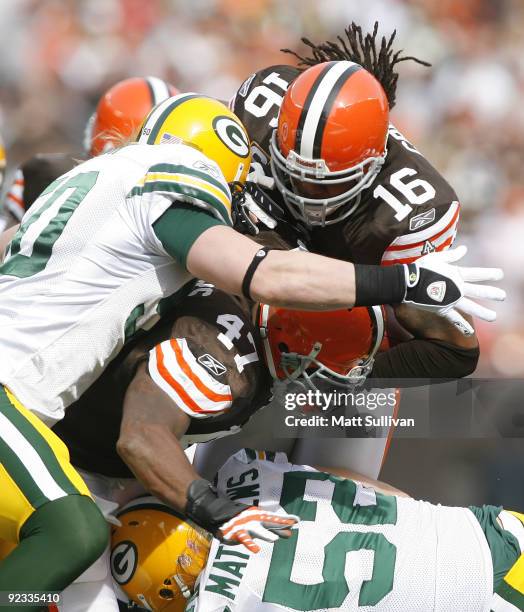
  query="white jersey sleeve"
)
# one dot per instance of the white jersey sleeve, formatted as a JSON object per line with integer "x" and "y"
{"x": 354, "y": 549}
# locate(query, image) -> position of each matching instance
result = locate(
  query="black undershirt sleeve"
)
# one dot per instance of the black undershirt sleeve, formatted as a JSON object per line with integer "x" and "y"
{"x": 425, "y": 359}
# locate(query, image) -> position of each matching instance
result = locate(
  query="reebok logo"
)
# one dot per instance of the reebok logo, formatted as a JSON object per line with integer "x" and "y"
{"x": 423, "y": 219}
{"x": 200, "y": 165}
{"x": 437, "y": 291}
{"x": 211, "y": 364}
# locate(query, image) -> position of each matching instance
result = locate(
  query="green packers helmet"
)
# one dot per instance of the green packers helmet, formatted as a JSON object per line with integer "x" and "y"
{"x": 204, "y": 123}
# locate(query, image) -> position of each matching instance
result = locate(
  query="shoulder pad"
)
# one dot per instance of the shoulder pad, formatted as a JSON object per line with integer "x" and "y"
{"x": 191, "y": 382}
{"x": 257, "y": 104}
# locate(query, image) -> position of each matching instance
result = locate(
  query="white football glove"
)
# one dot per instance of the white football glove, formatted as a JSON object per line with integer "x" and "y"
{"x": 434, "y": 284}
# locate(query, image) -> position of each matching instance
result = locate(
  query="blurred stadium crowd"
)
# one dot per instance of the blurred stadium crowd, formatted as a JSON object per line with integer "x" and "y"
{"x": 464, "y": 113}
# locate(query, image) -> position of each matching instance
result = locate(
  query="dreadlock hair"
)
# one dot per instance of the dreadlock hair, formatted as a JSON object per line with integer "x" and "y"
{"x": 361, "y": 49}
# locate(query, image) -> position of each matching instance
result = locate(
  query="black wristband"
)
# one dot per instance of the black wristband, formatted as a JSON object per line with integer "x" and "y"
{"x": 376, "y": 285}
{"x": 205, "y": 508}
{"x": 259, "y": 257}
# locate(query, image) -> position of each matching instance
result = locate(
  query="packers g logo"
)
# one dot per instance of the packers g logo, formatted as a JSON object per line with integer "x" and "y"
{"x": 232, "y": 135}
{"x": 124, "y": 559}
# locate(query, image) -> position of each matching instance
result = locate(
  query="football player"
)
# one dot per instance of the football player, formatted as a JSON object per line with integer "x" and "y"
{"x": 90, "y": 265}
{"x": 349, "y": 184}
{"x": 360, "y": 545}
{"x": 199, "y": 374}
{"x": 118, "y": 115}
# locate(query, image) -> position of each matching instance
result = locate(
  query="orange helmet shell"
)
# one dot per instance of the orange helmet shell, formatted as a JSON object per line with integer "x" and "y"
{"x": 348, "y": 338}
{"x": 122, "y": 109}
{"x": 343, "y": 120}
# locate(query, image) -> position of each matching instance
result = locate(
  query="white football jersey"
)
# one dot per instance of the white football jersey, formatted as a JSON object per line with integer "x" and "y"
{"x": 86, "y": 269}
{"x": 354, "y": 548}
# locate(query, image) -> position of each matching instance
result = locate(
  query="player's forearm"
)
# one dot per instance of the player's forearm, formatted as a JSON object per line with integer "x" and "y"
{"x": 427, "y": 325}
{"x": 438, "y": 350}
{"x": 292, "y": 279}
{"x": 156, "y": 458}
{"x": 303, "y": 280}
{"x": 416, "y": 359}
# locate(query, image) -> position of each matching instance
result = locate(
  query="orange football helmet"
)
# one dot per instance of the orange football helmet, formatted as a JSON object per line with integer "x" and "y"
{"x": 338, "y": 347}
{"x": 122, "y": 109}
{"x": 330, "y": 142}
{"x": 157, "y": 555}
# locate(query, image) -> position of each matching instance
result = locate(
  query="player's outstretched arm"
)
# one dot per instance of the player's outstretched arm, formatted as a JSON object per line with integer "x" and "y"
{"x": 307, "y": 281}
{"x": 151, "y": 428}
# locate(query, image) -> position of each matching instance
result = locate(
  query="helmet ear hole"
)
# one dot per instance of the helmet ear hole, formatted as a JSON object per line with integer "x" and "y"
{"x": 166, "y": 593}
{"x": 283, "y": 347}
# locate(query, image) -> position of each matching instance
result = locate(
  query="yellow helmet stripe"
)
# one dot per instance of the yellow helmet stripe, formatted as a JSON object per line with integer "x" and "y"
{"x": 155, "y": 120}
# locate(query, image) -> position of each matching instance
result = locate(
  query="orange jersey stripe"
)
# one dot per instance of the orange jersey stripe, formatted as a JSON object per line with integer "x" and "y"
{"x": 403, "y": 247}
{"x": 164, "y": 372}
{"x": 186, "y": 368}
{"x": 406, "y": 260}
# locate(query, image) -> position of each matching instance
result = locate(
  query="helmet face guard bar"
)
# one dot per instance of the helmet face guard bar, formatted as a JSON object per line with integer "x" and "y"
{"x": 299, "y": 365}
{"x": 314, "y": 211}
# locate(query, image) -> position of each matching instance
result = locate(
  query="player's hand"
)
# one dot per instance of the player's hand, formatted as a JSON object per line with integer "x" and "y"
{"x": 435, "y": 284}
{"x": 254, "y": 522}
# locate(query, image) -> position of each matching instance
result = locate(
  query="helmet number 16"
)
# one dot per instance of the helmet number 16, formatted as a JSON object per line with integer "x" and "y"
{"x": 416, "y": 192}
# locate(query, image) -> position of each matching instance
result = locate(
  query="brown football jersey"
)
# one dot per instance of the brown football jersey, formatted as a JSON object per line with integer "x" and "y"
{"x": 408, "y": 211}
{"x": 204, "y": 354}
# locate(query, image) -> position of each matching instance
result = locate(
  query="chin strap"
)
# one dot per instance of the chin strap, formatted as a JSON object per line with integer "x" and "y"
{"x": 184, "y": 589}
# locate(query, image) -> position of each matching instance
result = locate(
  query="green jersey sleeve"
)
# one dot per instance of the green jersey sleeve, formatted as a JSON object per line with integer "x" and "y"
{"x": 179, "y": 227}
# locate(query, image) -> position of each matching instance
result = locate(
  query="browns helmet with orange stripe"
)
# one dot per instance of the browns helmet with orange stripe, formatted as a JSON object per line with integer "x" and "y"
{"x": 122, "y": 109}
{"x": 330, "y": 142}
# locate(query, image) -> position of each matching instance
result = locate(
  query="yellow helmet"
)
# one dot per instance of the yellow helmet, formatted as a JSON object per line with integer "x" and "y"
{"x": 156, "y": 555}
{"x": 207, "y": 125}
